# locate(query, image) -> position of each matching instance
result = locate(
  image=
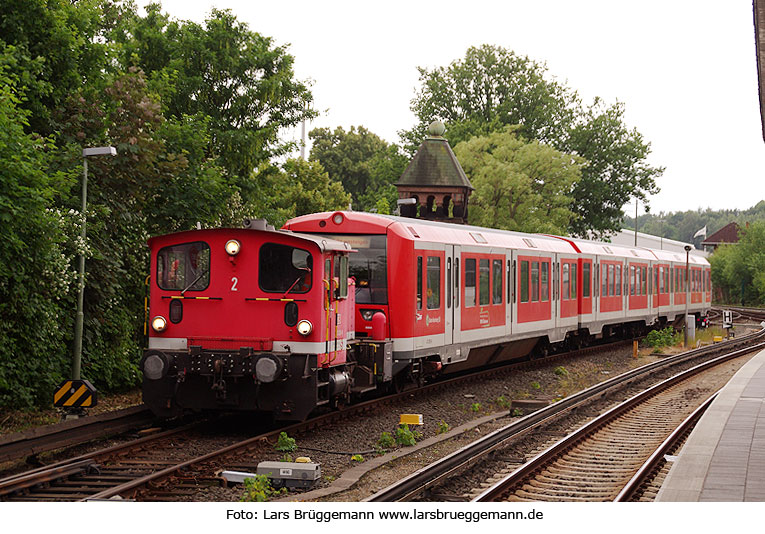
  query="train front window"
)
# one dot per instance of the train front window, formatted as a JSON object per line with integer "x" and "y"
{"x": 368, "y": 266}
{"x": 184, "y": 267}
{"x": 284, "y": 269}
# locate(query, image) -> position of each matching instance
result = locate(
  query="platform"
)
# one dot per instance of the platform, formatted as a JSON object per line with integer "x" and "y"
{"x": 724, "y": 457}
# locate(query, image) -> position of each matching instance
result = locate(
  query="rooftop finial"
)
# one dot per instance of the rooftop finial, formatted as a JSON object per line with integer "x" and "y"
{"x": 436, "y": 129}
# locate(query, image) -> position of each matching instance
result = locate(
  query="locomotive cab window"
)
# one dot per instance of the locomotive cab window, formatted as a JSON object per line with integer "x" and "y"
{"x": 184, "y": 267}
{"x": 284, "y": 269}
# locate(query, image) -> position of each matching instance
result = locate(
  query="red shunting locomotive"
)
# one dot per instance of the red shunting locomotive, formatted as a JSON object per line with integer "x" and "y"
{"x": 248, "y": 319}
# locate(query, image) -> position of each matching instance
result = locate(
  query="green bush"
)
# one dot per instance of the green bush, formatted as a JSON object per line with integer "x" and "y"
{"x": 406, "y": 437}
{"x": 258, "y": 489}
{"x": 662, "y": 338}
{"x": 285, "y": 443}
{"x": 386, "y": 441}
{"x": 443, "y": 427}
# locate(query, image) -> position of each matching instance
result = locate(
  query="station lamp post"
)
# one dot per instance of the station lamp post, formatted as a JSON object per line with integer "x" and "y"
{"x": 86, "y": 153}
{"x": 687, "y": 296}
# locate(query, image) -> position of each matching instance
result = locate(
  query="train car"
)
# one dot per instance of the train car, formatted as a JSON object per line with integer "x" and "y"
{"x": 248, "y": 319}
{"x": 458, "y": 296}
{"x": 339, "y": 304}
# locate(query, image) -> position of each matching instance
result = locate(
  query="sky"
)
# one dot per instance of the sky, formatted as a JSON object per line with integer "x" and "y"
{"x": 685, "y": 69}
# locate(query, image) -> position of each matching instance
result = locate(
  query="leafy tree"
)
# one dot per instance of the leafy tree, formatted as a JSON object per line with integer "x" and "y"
{"x": 54, "y": 49}
{"x": 364, "y": 163}
{"x": 35, "y": 274}
{"x": 120, "y": 192}
{"x": 519, "y": 185}
{"x": 492, "y": 88}
{"x": 616, "y": 169}
{"x": 235, "y": 78}
{"x": 299, "y": 187}
{"x": 739, "y": 270}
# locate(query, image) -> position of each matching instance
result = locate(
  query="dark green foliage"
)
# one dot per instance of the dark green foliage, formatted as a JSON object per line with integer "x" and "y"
{"x": 661, "y": 338}
{"x": 739, "y": 270}
{"x": 285, "y": 443}
{"x": 406, "y": 437}
{"x": 386, "y": 441}
{"x": 364, "y": 163}
{"x": 259, "y": 489}
{"x": 195, "y": 112}
{"x": 35, "y": 269}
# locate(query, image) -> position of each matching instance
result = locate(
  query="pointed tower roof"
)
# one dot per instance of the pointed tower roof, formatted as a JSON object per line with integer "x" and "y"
{"x": 435, "y": 165}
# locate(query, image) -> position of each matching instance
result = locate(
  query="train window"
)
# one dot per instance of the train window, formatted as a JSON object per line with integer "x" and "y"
{"x": 611, "y": 289}
{"x": 483, "y": 282}
{"x": 638, "y": 284}
{"x": 419, "y": 282}
{"x": 566, "y": 283}
{"x": 341, "y": 268}
{"x": 496, "y": 282}
{"x": 604, "y": 281}
{"x": 586, "y": 280}
{"x": 184, "y": 267}
{"x": 434, "y": 282}
{"x": 284, "y": 269}
{"x": 368, "y": 266}
{"x": 573, "y": 280}
{"x": 644, "y": 282}
{"x": 618, "y": 279}
{"x": 448, "y": 282}
{"x": 469, "y": 282}
{"x": 545, "y": 281}
{"x": 524, "y": 281}
{"x": 534, "y": 281}
{"x": 632, "y": 280}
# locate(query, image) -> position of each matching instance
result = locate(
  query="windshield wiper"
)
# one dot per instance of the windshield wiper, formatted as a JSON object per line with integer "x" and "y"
{"x": 300, "y": 276}
{"x": 195, "y": 281}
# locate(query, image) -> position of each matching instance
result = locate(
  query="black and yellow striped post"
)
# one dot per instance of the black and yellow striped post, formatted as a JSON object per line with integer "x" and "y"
{"x": 75, "y": 394}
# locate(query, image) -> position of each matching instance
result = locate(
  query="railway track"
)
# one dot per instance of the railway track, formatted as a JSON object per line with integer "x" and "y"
{"x": 47, "y": 438}
{"x": 130, "y": 468}
{"x": 170, "y": 464}
{"x": 598, "y": 460}
{"x": 435, "y": 482}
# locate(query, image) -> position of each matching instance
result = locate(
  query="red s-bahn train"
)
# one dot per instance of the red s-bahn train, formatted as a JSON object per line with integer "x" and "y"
{"x": 338, "y": 304}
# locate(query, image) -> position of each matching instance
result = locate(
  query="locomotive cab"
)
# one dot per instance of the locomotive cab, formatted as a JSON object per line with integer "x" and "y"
{"x": 247, "y": 319}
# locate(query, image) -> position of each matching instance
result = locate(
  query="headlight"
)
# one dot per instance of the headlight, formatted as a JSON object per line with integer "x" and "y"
{"x": 368, "y": 314}
{"x": 159, "y": 323}
{"x": 232, "y": 247}
{"x": 337, "y": 218}
{"x": 304, "y": 327}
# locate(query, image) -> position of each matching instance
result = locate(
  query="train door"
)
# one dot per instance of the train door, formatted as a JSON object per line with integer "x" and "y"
{"x": 450, "y": 315}
{"x": 585, "y": 283}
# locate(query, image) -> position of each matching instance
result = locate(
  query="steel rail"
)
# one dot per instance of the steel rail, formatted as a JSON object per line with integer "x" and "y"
{"x": 652, "y": 462}
{"x": 496, "y": 492}
{"x": 51, "y": 437}
{"x": 445, "y": 467}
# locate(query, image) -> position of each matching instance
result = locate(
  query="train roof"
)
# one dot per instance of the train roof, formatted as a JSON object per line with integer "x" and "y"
{"x": 355, "y": 222}
{"x": 325, "y": 244}
{"x": 462, "y": 234}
